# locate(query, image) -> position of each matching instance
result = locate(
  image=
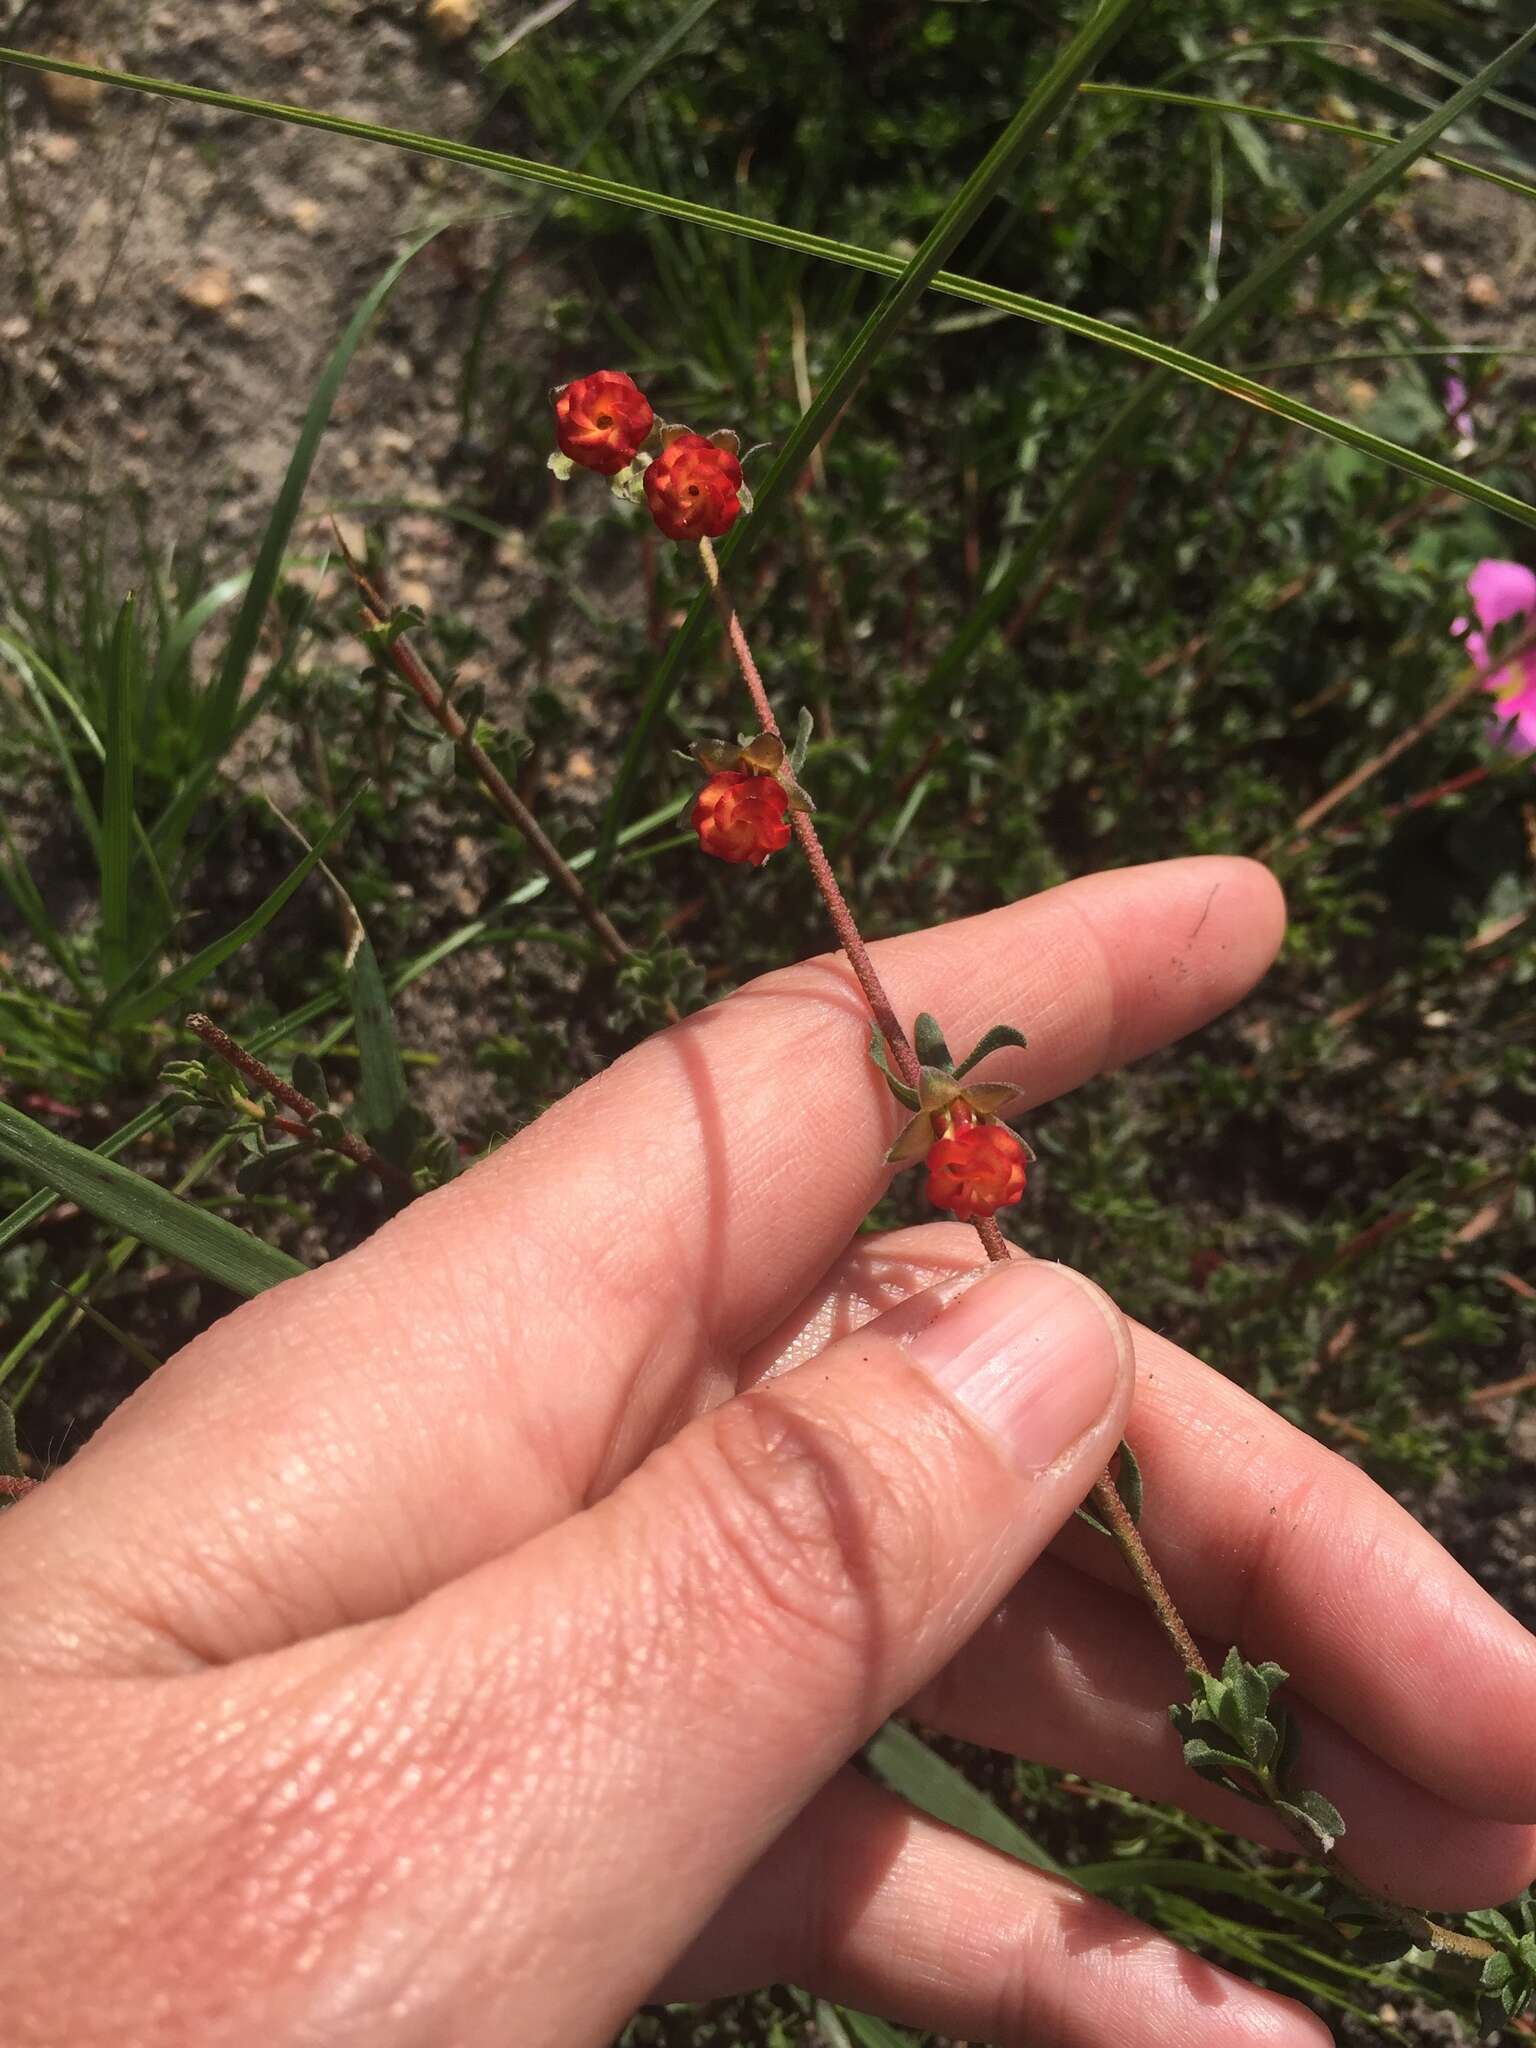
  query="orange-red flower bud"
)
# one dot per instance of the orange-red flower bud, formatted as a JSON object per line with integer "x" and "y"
{"x": 975, "y": 1169}
{"x": 601, "y": 420}
{"x": 741, "y": 817}
{"x": 693, "y": 489}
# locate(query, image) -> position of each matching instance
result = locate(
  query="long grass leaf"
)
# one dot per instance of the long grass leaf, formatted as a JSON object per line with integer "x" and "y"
{"x": 213, "y": 1246}
{"x": 1347, "y": 130}
{"x": 124, "y": 1009}
{"x": 36, "y": 1207}
{"x": 223, "y": 702}
{"x": 827, "y": 249}
{"x": 117, "y": 813}
{"x": 910, "y": 1767}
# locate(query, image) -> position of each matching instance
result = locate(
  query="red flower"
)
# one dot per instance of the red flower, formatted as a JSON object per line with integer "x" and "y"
{"x": 975, "y": 1169}
{"x": 601, "y": 420}
{"x": 741, "y": 817}
{"x": 692, "y": 489}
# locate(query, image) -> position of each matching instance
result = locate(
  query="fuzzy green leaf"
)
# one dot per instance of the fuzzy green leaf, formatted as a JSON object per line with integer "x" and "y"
{"x": 309, "y": 1078}
{"x": 929, "y": 1042}
{"x": 1318, "y": 1814}
{"x": 805, "y": 727}
{"x": 994, "y": 1040}
{"x": 879, "y": 1053}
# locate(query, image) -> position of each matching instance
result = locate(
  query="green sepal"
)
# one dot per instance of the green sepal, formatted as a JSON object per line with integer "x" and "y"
{"x": 879, "y": 1053}
{"x": 999, "y": 1036}
{"x": 913, "y": 1141}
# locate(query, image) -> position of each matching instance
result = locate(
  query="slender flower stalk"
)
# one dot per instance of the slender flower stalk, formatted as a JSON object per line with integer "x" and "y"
{"x": 843, "y": 922}
{"x": 434, "y": 700}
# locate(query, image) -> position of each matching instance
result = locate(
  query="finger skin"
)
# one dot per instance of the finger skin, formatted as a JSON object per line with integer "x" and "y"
{"x": 866, "y": 1901}
{"x": 552, "y": 1772}
{"x": 508, "y": 1348}
{"x": 1271, "y": 1540}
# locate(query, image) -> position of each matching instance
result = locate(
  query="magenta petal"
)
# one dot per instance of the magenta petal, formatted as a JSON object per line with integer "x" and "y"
{"x": 1501, "y": 591}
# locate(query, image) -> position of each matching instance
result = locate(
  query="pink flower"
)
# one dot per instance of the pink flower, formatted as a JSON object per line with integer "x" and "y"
{"x": 1504, "y": 594}
{"x": 1457, "y": 401}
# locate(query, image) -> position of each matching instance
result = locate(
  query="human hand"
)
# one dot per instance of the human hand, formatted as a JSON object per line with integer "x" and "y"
{"x": 445, "y": 1649}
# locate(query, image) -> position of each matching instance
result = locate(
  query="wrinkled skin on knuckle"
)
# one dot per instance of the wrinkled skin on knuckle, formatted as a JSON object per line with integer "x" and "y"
{"x": 830, "y": 1533}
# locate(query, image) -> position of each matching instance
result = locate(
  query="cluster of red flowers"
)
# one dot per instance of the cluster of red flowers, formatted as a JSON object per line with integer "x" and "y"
{"x": 693, "y": 490}
{"x": 693, "y": 487}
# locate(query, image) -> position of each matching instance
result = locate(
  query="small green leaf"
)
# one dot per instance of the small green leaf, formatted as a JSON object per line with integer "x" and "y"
{"x": 805, "y": 727}
{"x": 1128, "y": 1481}
{"x": 381, "y": 1092}
{"x": 262, "y": 1168}
{"x": 1497, "y": 1972}
{"x": 1318, "y": 1814}
{"x": 1378, "y": 1946}
{"x": 929, "y": 1041}
{"x": 879, "y": 1053}
{"x": 1218, "y": 1768}
{"x": 442, "y": 757}
{"x": 309, "y": 1078}
{"x": 999, "y": 1036}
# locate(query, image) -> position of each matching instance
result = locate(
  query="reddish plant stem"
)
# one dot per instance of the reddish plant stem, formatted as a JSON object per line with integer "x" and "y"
{"x": 405, "y": 662}
{"x": 849, "y": 937}
{"x": 304, "y": 1111}
{"x": 1106, "y": 1498}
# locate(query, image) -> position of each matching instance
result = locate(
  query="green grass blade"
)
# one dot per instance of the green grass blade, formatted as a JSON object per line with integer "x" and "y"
{"x": 218, "y": 1249}
{"x": 1040, "y": 108}
{"x": 117, "y": 814}
{"x": 36, "y": 1207}
{"x": 824, "y": 248}
{"x": 1005, "y": 592}
{"x": 909, "y": 1767}
{"x": 125, "y": 1010}
{"x": 35, "y": 674}
{"x": 1345, "y": 129}
{"x": 223, "y": 703}
{"x": 182, "y": 636}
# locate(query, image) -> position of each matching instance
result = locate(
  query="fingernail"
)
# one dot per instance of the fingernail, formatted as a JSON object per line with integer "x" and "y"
{"x": 1032, "y": 1352}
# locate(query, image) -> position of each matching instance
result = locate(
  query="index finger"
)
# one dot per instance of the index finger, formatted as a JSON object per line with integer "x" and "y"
{"x": 510, "y": 1346}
